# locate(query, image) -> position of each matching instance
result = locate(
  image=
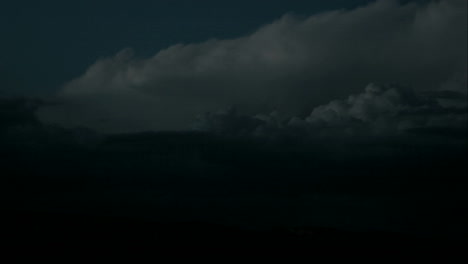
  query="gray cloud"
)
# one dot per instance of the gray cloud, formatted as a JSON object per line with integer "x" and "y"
{"x": 380, "y": 110}
{"x": 20, "y": 129}
{"x": 292, "y": 65}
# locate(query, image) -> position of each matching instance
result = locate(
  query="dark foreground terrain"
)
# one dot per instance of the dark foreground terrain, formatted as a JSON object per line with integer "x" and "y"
{"x": 55, "y": 231}
{"x": 77, "y": 189}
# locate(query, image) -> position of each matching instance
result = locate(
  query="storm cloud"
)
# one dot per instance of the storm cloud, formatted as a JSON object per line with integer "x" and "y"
{"x": 291, "y": 66}
{"x": 233, "y": 176}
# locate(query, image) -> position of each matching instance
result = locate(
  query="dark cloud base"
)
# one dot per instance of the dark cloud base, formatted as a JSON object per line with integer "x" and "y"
{"x": 391, "y": 188}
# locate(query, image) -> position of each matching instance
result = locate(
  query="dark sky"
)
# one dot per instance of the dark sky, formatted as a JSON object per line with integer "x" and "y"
{"x": 47, "y": 43}
{"x": 156, "y": 65}
{"x": 344, "y": 114}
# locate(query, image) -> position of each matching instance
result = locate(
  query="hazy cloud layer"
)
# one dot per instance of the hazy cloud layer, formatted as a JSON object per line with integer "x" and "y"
{"x": 292, "y": 66}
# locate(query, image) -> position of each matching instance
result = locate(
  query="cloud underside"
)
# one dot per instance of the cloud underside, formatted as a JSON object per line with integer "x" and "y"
{"x": 415, "y": 184}
{"x": 309, "y": 70}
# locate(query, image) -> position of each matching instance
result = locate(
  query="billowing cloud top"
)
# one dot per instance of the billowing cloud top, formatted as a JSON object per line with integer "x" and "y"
{"x": 301, "y": 67}
{"x": 377, "y": 111}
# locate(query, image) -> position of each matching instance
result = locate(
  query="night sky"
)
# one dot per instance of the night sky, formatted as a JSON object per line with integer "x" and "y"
{"x": 46, "y": 44}
{"x": 255, "y": 115}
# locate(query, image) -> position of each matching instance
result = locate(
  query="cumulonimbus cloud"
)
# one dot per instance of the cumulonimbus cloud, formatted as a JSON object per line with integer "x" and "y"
{"x": 292, "y": 65}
